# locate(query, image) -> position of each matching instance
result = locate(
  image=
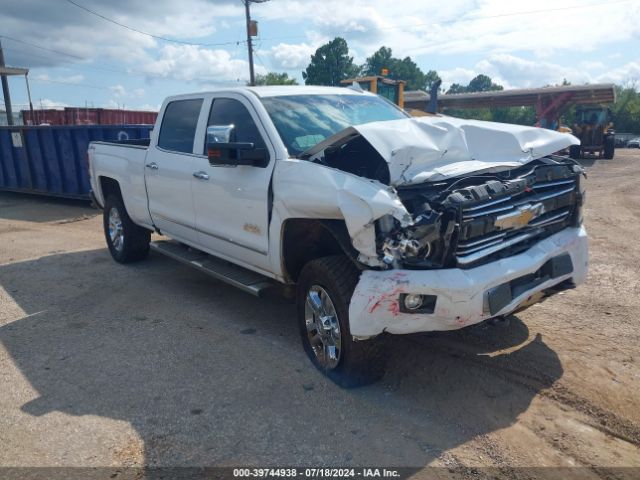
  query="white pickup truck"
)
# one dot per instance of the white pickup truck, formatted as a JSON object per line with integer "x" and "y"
{"x": 376, "y": 221}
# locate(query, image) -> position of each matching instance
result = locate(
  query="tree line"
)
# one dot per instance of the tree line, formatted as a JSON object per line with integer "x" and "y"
{"x": 331, "y": 63}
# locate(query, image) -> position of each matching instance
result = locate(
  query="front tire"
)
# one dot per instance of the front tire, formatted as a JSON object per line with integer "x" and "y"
{"x": 323, "y": 295}
{"x": 609, "y": 148}
{"x": 575, "y": 152}
{"x": 127, "y": 241}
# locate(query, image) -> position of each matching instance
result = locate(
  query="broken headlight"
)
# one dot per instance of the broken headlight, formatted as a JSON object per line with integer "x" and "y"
{"x": 418, "y": 246}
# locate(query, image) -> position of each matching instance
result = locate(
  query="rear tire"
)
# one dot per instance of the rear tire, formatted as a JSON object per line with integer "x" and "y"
{"x": 575, "y": 152}
{"x": 609, "y": 148}
{"x": 329, "y": 345}
{"x": 127, "y": 241}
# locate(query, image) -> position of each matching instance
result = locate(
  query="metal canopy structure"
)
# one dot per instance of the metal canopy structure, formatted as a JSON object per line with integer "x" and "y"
{"x": 549, "y": 102}
{"x": 5, "y": 72}
{"x": 13, "y": 71}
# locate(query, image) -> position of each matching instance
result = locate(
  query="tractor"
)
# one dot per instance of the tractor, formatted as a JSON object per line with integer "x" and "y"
{"x": 594, "y": 129}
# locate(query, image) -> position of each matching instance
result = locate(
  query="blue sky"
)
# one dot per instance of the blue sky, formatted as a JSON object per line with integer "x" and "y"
{"x": 76, "y": 57}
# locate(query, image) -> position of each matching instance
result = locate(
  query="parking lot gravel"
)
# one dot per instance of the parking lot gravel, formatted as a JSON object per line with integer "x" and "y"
{"x": 154, "y": 364}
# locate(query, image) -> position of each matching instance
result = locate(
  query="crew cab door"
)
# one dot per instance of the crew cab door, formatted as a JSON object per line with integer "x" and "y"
{"x": 232, "y": 202}
{"x": 169, "y": 168}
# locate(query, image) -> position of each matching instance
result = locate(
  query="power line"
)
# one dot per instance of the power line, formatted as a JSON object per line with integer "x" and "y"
{"x": 41, "y": 48}
{"x": 77, "y": 63}
{"x": 42, "y": 55}
{"x": 157, "y": 37}
{"x": 66, "y": 54}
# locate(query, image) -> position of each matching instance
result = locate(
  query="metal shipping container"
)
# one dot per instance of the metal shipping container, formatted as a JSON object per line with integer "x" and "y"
{"x": 52, "y": 160}
{"x": 88, "y": 116}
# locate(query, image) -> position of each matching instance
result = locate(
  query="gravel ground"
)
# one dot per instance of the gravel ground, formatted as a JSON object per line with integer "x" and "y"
{"x": 155, "y": 364}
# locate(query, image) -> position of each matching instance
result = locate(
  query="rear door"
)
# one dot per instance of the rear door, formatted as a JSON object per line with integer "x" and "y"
{"x": 169, "y": 170}
{"x": 232, "y": 202}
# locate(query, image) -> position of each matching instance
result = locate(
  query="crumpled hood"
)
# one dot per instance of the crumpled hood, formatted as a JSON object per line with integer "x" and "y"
{"x": 434, "y": 148}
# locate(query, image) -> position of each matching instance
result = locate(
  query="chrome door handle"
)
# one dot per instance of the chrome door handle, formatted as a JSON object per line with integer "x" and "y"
{"x": 201, "y": 175}
{"x": 152, "y": 166}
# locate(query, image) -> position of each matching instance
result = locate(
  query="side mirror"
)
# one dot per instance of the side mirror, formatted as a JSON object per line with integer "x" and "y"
{"x": 222, "y": 149}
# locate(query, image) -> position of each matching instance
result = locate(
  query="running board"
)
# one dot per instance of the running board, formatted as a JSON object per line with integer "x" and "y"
{"x": 250, "y": 282}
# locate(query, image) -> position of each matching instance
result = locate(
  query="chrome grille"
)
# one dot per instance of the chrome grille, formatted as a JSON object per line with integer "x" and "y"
{"x": 553, "y": 202}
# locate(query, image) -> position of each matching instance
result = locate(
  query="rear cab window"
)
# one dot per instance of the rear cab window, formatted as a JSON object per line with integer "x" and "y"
{"x": 179, "y": 124}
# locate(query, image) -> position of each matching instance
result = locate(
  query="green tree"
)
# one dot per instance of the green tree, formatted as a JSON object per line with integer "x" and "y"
{"x": 479, "y": 83}
{"x": 430, "y": 78}
{"x": 482, "y": 83}
{"x": 382, "y": 58}
{"x": 330, "y": 64}
{"x": 457, "y": 88}
{"x": 400, "y": 69}
{"x": 626, "y": 110}
{"x": 407, "y": 70}
{"x": 274, "y": 78}
{"x": 516, "y": 115}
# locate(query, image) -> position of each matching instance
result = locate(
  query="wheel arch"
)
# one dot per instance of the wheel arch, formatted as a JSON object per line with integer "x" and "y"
{"x": 304, "y": 240}
{"x": 109, "y": 186}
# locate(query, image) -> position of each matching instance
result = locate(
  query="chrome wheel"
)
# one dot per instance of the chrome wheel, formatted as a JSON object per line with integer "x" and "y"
{"x": 323, "y": 328}
{"x": 116, "y": 233}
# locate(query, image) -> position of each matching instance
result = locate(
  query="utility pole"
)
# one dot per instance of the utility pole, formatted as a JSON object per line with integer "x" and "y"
{"x": 5, "y": 90}
{"x": 252, "y": 31}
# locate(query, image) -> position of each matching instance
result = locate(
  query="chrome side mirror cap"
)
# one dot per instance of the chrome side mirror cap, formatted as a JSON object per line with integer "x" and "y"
{"x": 220, "y": 133}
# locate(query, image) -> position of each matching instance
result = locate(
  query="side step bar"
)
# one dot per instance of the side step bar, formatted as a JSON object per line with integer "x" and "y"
{"x": 250, "y": 282}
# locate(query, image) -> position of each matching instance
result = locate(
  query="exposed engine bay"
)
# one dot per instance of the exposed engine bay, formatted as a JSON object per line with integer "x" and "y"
{"x": 464, "y": 222}
{"x": 469, "y": 220}
{"x": 474, "y": 191}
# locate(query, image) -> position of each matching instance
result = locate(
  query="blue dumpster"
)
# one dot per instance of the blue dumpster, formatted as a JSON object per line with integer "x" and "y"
{"x": 52, "y": 160}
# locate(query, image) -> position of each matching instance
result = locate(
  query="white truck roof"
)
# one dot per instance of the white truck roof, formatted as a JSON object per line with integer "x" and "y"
{"x": 283, "y": 90}
{"x": 280, "y": 90}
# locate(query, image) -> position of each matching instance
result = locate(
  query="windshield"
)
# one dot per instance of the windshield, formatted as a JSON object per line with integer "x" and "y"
{"x": 305, "y": 120}
{"x": 592, "y": 116}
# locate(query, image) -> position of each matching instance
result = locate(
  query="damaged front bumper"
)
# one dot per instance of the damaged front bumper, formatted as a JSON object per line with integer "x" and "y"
{"x": 458, "y": 298}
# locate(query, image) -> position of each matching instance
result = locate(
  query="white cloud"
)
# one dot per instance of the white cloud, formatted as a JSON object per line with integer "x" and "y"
{"x": 592, "y": 65}
{"x": 432, "y": 32}
{"x": 147, "y": 107}
{"x": 85, "y": 37}
{"x": 45, "y": 77}
{"x": 118, "y": 91}
{"x": 456, "y": 75}
{"x": 511, "y": 71}
{"x": 625, "y": 74}
{"x": 47, "y": 103}
{"x": 201, "y": 65}
{"x": 286, "y": 56}
{"x": 544, "y": 33}
{"x": 461, "y": 26}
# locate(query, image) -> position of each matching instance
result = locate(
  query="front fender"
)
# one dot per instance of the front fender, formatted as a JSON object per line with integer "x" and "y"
{"x": 303, "y": 189}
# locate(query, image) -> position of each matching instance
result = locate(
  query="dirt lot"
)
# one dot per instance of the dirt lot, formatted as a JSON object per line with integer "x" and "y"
{"x": 155, "y": 364}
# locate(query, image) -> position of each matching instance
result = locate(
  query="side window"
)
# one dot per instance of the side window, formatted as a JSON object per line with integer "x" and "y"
{"x": 226, "y": 111}
{"x": 179, "y": 123}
